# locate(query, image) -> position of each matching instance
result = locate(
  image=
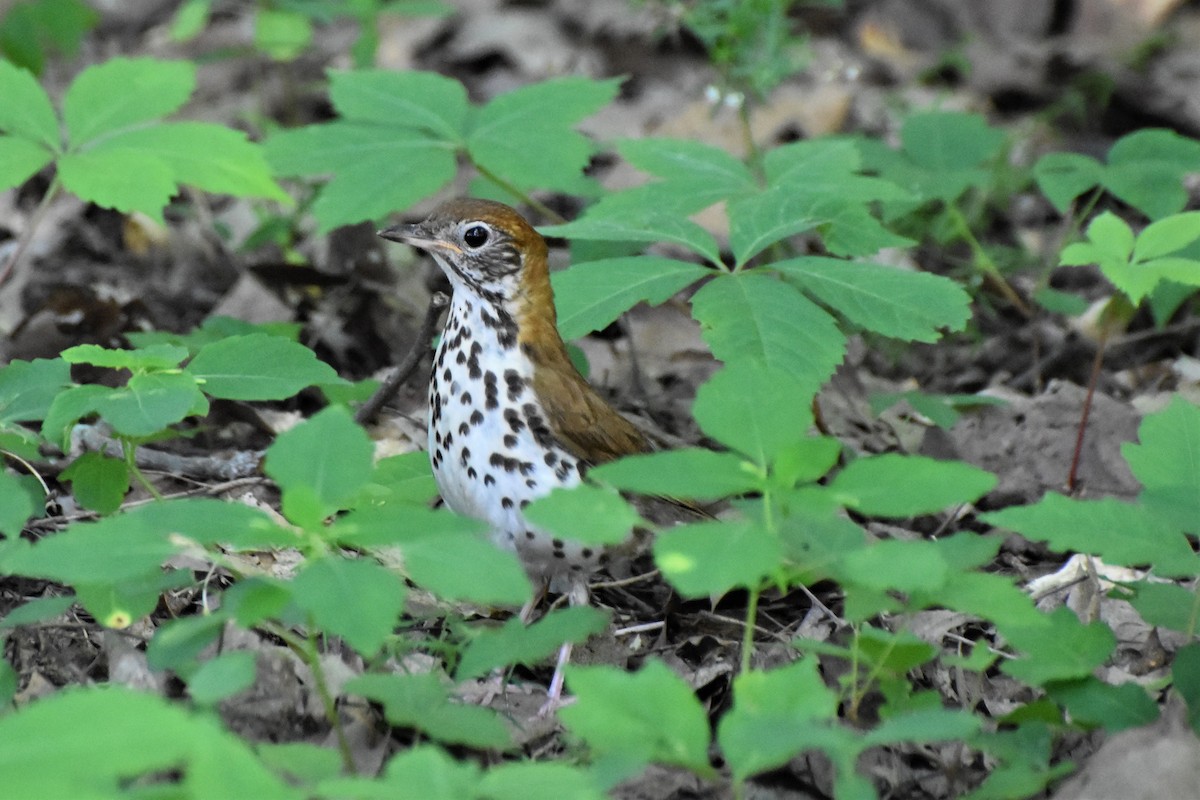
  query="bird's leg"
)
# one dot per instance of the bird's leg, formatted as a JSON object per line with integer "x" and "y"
{"x": 577, "y": 595}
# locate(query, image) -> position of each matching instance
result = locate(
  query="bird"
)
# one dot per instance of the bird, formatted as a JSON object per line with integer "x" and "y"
{"x": 510, "y": 416}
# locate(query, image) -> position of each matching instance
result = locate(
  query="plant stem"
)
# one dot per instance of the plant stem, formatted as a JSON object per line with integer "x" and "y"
{"x": 129, "y": 450}
{"x": 541, "y": 207}
{"x": 27, "y": 235}
{"x": 748, "y": 630}
{"x": 1093, "y": 379}
{"x": 984, "y": 263}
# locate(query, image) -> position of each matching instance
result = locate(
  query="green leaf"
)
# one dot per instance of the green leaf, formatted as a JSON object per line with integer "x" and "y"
{"x": 761, "y": 219}
{"x": 754, "y": 409}
{"x": 20, "y": 159}
{"x": 517, "y": 643}
{"x": 696, "y": 174}
{"x": 895, "y": 485}
{"x": 422, "y": 772}
{"x": 402, "y": 165}
{"x": 949, "y": 140}
{"x": 27, "y": 111}
{"x": 222, "y": 676}
{"x": 118, "y": 604}
{"x": 1064, "y": 176}
{"x": 98, "y": 482}
{"x": 208, "y": 521}
{"x": 1185, "y": 672}
{"x": 443, "y": 552}
{"x": 913, "y": 306}
{"x": 123, "y": 92}
{"x": 539, "y": 781}
{"x": 150, "y": 403}
{"x": 154, "y": 357}
{"x": 629, "y": 217}
{"x": 423, "y": 100}
{"x": 1061, "y": 649}
{"x": 17, "y": 505}
{"x": 691, "y": 473}
{"x": 28, "y": 388}
{"x": 1167, "y": 235}
{"x": 422, "y": 701}
{"x": 257, "y": 367}
{"x": 789, "y": 702}
{"x": 41, "y": 609}
{"x": 591, "y": 295}
{"x": 1146, "y": 169}
{"x": 751, "y": 316}
{"x": 281, "y": 34}
{"x": 1094, "y": 703}
{"x": 209, "y": 157}
{"x": 1166, "y": 459}
{"x": 125, "y": 180}
{"x": 67, "y": 408}
{"x": 144, "y": 737}
{"x": 650, "y": 714}
{"x": 1167, "y": 605}
{"x": 895, "y": 565}
{"x": 302, "y": 461}
{"x": 1119, "y": 533}
{"x": 525, "y": 137}
{"x": 113, "y": 549}
{"x": 359, "y": 601}
{"x": 179, "y": 642}
{"x": 922, "y": 726}
{"x": 712, "y": 558}
{"x": 585, "y": 514}
{"x": 405, "y": 478}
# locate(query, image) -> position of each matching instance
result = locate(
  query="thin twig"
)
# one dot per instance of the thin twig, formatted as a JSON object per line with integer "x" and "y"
{"x": 420, "y": 346}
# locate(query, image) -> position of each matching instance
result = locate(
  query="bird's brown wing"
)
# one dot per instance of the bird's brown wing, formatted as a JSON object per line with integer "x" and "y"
{"x": 586, "y": 425}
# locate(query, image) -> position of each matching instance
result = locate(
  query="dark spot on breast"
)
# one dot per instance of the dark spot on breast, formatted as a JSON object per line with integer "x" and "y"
{"x": 466, "y": 453}
{"x": 530, "y": 534}
{"x": 471, "y": 473}
{"x": 476, "y": 417}
{"x": 446, "y": 375}
{"x": 559, "y": 554}
{"x": 550, "y": 459}
{"x": 441, "y": 361}
{"x": 510, "y": 440}
{"x": 526, "y": 467}
{"x": 506, "y": 502}
{"x": 586, "y": 552}
{"x": 488, "y": 480}
{"x": 513, "y": 418}
{"x": 461, "y": 358}
{"x": 531, "y": 483}
{"x": 557, "y": 544}
{"x": 464, "y": 429}
{"x": 523, "y": 504}
{"x": 465, "y": 399}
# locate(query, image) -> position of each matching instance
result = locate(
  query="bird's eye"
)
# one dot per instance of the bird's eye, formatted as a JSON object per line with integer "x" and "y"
{"x": 476, "y": 236}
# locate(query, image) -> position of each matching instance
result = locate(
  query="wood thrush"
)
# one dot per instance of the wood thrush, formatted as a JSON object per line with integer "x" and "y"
{"x": 510, "y": 417}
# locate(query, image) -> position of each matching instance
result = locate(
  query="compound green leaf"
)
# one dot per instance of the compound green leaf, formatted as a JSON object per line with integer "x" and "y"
{"x": 150, "y": 403}
{"x": 257, "y": 367}
{"x": 754, "y": 409}
{"x": 326, "y": 459}
{"x": 895, "y": 485}
{"x": 20, "y": 159}
{"x": 1061, "y": 649}
{"x": 712, "y": 558}
{"x": 98, "y": 481}
{"x": 423, "y": 100}
{"x": 422, "y": 701}
{"x": 687, "y": 473}
{"x": 359, "y": 601}
{"x": 913, "y": 306}
{"x": 27, "y": 388}
{"x": 517, "y": 643}
{"x": 26, "y": 111}
{"x": 586, "y": 514}
{"x": 123, "y": 92}
{"x": 590, "y": 296}
{"x": 121, "y": 179}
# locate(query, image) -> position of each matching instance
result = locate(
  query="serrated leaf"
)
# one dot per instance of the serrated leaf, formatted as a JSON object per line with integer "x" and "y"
{"x": 405, "y": 478}
{"x": 531, "y": 780}
{"x": 112, "y": 550}
{"x": 895, "y": 565}
{"x": 178, "y": 642}
{"x": 28, "y": 388}
{"x": 584, "y": 513}
{"x": 16, "y": 504}
{"x": 518, "y": 643}
{"x": 1061, "y": 649}
{"x": 1064, "y": 176}
{"x": 359, "y": 601}
{"x": 144, "y": 737}
{"x": 1167, "y": 605}
{"x": 1119, "y": 533}
{"x": 125, "y": 180}
{"x": 895, "y": 485}
{"x": 424, "y": 100}
{"x": 650, "y": 714}
{"x": 591, "y": 295}
{"x": 1146, "y": 170}
{"x": 150, "y": 403}
{"x": 712, "y": 558}
{"x": 208, "y": 521}
{"x": 156, "y": 356}
{"x": 525, "y": 136}
{"x": 443, "y": 552}
{"x": 696, "y": 175}
{"x": 754, "y": 409}
{"x": 20, "y": 159}
{"x": 752, "y": 316}
{"x": 422, "y": 701}
{"x": 1166, "y": 460}
{"x": 689, "y": 473}
{"x": 789, "y": 702}
{"x": 923, "y": 726}
{"x": 422, "y": 772}
{"x": 257, "y": 367}
{"x": 949, "y": 140}
{"x": 302, "y": 459}
{"x": 222, "y": 676}
{"x": 630, "y": 218}
{"x": 914, "y": 306}
{"x": 67, "y": 408}
{"x": 209, "y": 157}
{"x": 1095, "y": 703}
{"x": 403, "y": 165}
{"x": 40, "y": 609}
{"x": 26, "y": 111}
{"x": 761, "y": 219}
{"x": 98, "y": 482}
{"x": 123, "y": 92}
{"x": 1166, "y": 236}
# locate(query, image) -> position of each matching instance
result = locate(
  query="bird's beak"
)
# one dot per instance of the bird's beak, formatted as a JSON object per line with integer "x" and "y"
{"x": 416, "y": 236}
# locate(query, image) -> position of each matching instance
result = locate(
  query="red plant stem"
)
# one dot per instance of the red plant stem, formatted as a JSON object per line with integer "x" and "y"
{"x": 1073, "y": 474}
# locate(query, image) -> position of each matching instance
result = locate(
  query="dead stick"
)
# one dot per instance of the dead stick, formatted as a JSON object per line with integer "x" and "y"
{"x": 420, "y": 346}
